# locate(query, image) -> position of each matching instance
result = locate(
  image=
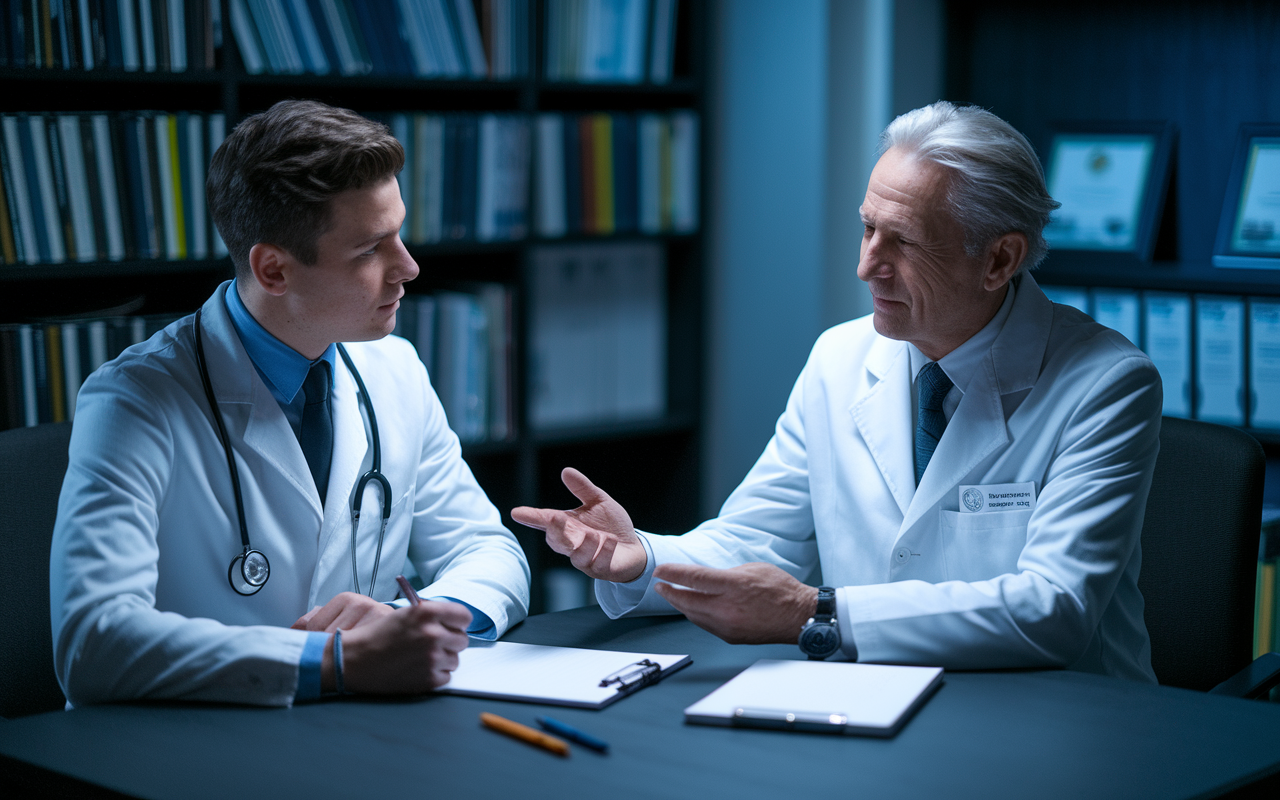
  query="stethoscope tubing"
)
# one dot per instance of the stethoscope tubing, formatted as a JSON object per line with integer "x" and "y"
{"x": 254, "y": 568}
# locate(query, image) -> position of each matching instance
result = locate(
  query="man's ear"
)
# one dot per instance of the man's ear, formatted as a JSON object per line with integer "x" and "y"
{"x": 272, "y": 266}
{"x": 1004, "y": 257}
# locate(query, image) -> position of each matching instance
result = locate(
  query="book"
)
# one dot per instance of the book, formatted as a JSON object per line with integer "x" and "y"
{"x": 561, "y": 676}
{"x": 549, "y": 176}
{"x": 20, "y": 174}
{"x": 820, "y": 697}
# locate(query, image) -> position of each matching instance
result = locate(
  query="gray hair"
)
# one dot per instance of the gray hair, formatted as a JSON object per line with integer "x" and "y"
{"x": 997, "y": 184}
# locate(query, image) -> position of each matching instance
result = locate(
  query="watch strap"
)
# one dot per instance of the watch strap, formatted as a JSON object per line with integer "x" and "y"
{"x": 826, "y": 604}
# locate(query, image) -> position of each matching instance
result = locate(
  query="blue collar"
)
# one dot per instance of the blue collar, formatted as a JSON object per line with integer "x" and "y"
{"x": 282, "y": 368}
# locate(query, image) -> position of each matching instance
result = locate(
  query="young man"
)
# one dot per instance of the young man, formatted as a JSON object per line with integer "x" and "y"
{"x": 156, "y": 590}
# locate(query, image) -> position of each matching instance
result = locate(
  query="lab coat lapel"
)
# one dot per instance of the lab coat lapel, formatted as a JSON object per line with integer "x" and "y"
{"x": 249, "y": 410}
{"x": 350, "y": 449}
{"x": 975, "y": 430}
{"x": 978, "y": 426}
{"x": 883, "y": 417}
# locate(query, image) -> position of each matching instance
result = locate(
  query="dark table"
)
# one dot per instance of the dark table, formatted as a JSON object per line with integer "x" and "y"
{"x": 983, "y": 735}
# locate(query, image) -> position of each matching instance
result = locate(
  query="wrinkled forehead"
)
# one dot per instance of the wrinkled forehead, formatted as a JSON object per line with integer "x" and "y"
{"x": 908, "y": 189}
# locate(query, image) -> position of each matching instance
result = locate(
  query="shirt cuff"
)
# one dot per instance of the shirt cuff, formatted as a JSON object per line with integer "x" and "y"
{"x": 309, "y": 667}
{"x": 481, "y": 626}
{"x": 844, "y": 621}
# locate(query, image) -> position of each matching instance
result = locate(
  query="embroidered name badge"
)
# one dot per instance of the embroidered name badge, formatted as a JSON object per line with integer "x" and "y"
{"x": 998, "y": 497}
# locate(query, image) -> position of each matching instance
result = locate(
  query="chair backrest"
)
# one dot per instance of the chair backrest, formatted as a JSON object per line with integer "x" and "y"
{"x": 1200, "y": 552}
{"x": 32, "y": 464}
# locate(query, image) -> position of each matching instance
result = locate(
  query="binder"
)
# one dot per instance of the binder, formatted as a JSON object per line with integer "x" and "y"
{"x": 1119, "y": 310}
{"x": 1220, "y": 359}
{"x": 1072, "y": 296}
{"x": 1264, "y": 364}
{"x": 558, "y": 676}
{"x": 1167, "y": 319}
{"x": 819, "y": 697}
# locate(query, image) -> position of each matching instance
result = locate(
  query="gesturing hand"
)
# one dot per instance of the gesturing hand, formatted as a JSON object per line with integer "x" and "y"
{"x": 597, "y": 536}
{"x": 750, "y": 604}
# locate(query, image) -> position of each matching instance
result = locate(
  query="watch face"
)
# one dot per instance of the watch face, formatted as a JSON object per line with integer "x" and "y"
{"x": 820, "y": 639}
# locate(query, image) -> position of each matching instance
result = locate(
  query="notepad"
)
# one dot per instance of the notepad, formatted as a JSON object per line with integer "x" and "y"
{"x": 820, "y": 696}
{"x": 561, "y": 676}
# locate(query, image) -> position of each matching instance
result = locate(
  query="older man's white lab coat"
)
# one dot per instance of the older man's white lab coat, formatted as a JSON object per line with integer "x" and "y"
{"x": 1059, "y": 401}
{"x": 147, "y": 528}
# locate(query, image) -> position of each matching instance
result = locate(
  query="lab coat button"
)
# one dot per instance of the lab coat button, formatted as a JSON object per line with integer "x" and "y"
{"x": 902, "y": 555}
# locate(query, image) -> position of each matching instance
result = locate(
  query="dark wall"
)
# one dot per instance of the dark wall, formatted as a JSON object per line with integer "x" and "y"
{"x": 1206, "y": 66}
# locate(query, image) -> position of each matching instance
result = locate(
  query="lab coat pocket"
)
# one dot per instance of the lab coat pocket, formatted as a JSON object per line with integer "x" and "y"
{"x": 981, "y": 546}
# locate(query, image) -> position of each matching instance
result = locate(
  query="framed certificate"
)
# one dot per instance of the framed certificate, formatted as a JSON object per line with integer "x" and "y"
{"x": 1249, "y": 231}
{"x": 1110, "y": 178}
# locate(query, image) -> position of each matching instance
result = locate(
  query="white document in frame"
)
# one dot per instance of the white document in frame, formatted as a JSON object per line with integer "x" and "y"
{"x": 819, "y": 696}
{"x": 562, "y": 676}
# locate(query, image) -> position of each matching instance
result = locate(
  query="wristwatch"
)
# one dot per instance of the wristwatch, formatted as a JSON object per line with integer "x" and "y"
{"x": 820, "y": 636}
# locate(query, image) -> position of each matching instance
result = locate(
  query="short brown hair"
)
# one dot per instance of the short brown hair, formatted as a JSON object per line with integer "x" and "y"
{"x": 273, "y": 177}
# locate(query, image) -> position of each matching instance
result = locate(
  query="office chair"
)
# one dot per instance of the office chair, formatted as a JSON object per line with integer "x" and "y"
{"x": 1200, "y": 559}
{"x": 32, "y": 464}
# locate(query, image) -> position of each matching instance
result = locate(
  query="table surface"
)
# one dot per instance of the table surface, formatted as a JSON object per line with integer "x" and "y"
{"x": 983, "y": 734}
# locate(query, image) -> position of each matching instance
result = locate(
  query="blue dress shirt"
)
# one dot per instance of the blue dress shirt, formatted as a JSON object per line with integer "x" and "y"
{"x": 283, "y": 370}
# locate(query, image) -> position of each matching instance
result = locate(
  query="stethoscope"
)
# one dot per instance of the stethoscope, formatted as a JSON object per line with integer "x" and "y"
{"x": 249, "y": 571}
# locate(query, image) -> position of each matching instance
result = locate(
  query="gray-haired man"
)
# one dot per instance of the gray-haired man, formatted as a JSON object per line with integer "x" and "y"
{"x": 965, "y": 469}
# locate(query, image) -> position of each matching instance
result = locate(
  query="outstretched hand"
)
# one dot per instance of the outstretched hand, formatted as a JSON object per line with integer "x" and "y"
{"x": 597, "y": 536}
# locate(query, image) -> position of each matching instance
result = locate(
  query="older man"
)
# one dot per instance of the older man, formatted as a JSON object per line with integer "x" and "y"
{"x": 965, "y": 470}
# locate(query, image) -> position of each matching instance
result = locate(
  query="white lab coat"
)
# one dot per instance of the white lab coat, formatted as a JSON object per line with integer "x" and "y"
{"x": 1059, "y": 400}
{"x": 146, "y": 526}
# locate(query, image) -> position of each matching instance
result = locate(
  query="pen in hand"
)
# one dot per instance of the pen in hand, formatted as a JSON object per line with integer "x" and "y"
{"x": 406, "y": 589}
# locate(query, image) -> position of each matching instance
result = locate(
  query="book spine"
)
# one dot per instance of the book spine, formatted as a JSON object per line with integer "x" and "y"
{"x": 25, "y": 188}
{"x": 130, "y": 51}
{"x": 147, "y": 34}
{"x": 54, "y": 249}
{"x": 78, "y": 193}
{"x": 602, "y": 170}
{"x": 587, "y": 160}
{"x": 152, "y": 186}
{"x": 30, "y": 397}
{"x": 9, "y": 223}
{"x": 172, "y": 247}
{"x": 197, "y": 163}
{"x": 70, "y": 335}
{"x": 97, "y": 211}
{"x": 57, "y": 167}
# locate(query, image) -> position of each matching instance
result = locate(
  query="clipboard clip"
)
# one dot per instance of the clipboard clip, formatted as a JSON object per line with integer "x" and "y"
{"x": 633, "y": 676}
{"x": 816, "y": 721}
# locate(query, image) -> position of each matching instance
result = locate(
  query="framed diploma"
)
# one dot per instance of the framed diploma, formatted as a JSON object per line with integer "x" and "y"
{"x": 1110, "y": 178}
{"x": 1249, "y": 231}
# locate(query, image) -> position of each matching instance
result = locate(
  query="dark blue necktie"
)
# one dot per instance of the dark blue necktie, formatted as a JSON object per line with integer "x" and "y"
{"x": 931, "y": 388}
{"x": 316, "y": 436}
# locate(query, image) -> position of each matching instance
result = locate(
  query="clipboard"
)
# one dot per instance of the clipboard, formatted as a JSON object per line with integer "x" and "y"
{"x": 819, "y": 697}
{"x": 558, "y": 676}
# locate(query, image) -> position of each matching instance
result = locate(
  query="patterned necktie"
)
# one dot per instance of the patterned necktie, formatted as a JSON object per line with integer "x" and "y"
{"x": 932, "y": 387}
{"x": 316, "y": 436}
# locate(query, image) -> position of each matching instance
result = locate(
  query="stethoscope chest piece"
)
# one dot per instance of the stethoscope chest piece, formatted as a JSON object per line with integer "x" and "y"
{"x": 248, "y": 572}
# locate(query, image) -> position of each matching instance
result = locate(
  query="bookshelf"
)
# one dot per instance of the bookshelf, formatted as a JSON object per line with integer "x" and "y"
{"x": 651, "y": 464}
{"x": 1202, "y": 67}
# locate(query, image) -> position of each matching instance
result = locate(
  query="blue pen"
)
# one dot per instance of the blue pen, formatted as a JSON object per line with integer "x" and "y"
{"x": 572, "y": 734}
